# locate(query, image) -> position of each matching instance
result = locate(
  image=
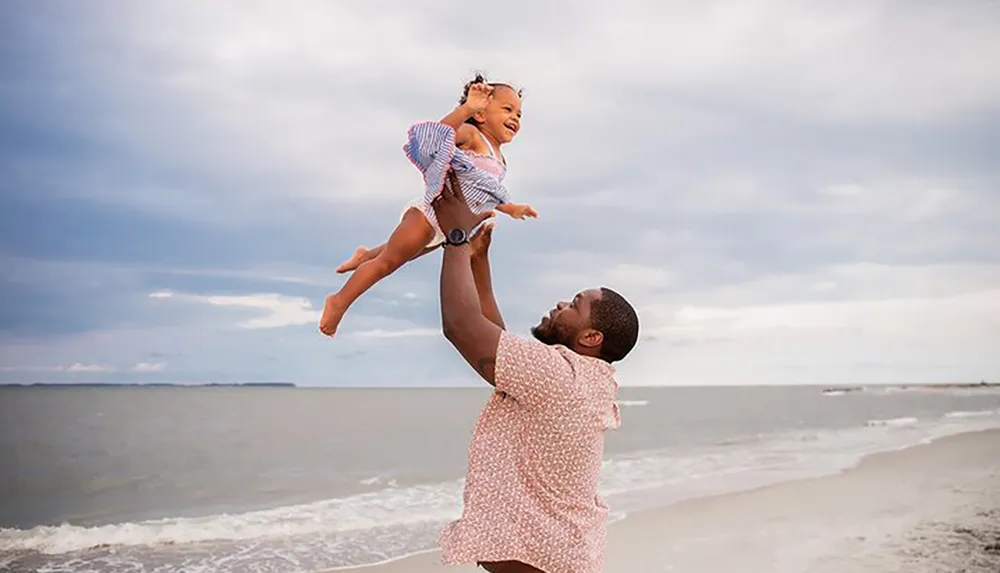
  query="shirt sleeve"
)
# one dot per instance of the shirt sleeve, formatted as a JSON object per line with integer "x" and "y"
{"x": 533, "y": 373}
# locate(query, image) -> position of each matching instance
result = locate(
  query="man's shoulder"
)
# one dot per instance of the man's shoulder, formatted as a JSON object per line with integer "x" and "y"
{"x": 530, "y": 352}
{"x": 520, "y": 348}
{"x": 550, "y": 376}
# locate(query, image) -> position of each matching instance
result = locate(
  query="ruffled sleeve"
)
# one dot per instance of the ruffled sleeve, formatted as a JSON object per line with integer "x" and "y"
{"x": 430, "y": 146}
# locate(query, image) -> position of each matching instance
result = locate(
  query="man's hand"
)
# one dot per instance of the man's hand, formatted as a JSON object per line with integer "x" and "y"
{"x": 479, "y": 244}
{"x": 452, "y": 211}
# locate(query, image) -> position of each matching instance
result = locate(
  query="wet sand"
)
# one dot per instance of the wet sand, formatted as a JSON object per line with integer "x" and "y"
{"x": 933, "y": 508}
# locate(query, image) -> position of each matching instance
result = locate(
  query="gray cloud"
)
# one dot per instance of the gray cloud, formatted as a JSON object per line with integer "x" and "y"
{"x": 729, "y": 158}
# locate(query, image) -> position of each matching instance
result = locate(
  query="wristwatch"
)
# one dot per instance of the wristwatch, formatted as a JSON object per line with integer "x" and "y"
{"x": 456, "y": 237}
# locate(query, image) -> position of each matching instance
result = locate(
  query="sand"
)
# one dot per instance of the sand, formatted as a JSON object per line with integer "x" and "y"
{"x": 930, "y": 508}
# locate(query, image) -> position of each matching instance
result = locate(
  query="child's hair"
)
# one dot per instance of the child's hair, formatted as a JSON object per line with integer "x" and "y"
{"x": 480, "y": 79}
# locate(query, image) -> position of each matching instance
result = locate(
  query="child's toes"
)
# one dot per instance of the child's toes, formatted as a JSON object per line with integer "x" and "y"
{"x": 354, "y": 262}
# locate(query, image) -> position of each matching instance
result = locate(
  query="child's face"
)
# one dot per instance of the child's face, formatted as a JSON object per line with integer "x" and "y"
{"x": 502, "y": 117}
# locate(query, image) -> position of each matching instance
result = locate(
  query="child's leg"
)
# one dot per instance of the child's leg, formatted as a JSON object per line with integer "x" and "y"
{"x": 425, "y": 251}
{"x": 362, "y": 255}
{"x": 406, "y": 243}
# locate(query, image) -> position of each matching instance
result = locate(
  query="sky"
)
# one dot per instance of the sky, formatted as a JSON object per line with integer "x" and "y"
{"x": 788, "y": 192}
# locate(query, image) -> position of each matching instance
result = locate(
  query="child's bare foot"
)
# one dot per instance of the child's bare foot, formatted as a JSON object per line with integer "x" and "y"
{"x": 333, "y": 311}
{"x": 353, "y": 262}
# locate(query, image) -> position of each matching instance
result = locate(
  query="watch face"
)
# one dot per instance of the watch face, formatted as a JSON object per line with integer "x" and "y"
{"x": 456, "y": 236}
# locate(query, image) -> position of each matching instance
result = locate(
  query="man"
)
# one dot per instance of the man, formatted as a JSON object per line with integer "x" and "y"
{"x": 530, "y": 501}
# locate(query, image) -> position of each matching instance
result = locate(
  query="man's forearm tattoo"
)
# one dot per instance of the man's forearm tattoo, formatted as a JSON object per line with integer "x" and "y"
{"x": 487, "y": 366}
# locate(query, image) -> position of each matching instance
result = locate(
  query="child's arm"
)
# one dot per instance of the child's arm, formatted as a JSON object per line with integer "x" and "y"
{"x": 475, "y": 102}
{"x": 517, "y": 211}
{"x": 465, "y": 138}
{"x": 456, "y": 120}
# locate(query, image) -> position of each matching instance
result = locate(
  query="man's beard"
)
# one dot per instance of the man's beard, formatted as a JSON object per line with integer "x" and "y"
{"x": 550, "y": 337}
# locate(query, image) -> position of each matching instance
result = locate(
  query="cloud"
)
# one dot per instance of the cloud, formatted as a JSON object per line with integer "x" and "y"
{"x": 404, "y": 333}
{"x": 899, "y": 318}
{"x": 147, "y": 367}
{"x": 282, "y": 311}
{"x": 75, "y": 368}
{"x": 278, "y": 310}
{"x": 206, "y": 71}
{"x": 82, "y": 368}
{"x": 921, "y": 323}
{"x": 177, "y": 185}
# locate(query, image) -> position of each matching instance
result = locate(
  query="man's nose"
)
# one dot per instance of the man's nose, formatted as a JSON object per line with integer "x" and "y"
{"x": 561, "y": 305}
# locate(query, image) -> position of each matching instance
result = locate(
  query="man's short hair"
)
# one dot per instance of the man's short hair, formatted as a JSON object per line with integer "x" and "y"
{"x": 615, "y": 318}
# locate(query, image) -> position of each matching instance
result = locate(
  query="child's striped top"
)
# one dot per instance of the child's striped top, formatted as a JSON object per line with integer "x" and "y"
{"x": 430, "y": 146}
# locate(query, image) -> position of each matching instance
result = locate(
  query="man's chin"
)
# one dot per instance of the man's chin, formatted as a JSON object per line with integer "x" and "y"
{"x": 541, "y": 335}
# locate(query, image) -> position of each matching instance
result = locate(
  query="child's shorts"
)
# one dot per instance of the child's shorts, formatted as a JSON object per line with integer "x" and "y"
{"x": 418, "y": 204}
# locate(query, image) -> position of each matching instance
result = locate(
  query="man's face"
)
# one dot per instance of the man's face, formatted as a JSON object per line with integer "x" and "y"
{"x": 564, "y": 323}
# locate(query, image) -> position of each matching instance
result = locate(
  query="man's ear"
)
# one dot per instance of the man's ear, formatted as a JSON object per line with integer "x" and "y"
{"x": 591, "y": 338}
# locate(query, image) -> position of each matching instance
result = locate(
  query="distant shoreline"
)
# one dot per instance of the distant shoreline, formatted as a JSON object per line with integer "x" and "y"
{"x": 931, "y": 386}
{"x": 150, "y": 385}
{"x": 830, "y": 390}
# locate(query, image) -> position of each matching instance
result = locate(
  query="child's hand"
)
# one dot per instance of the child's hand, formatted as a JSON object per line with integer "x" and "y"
{"x": 517, "y": 211}
{"x": 479, "y": 97}
{"x": 522, "y": 212}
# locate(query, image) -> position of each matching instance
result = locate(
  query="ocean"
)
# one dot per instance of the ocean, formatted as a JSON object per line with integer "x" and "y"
{"x": 285, "y": 480}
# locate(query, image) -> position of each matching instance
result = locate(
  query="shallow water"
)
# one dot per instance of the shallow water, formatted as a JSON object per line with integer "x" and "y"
{"x": 282, "y": 480}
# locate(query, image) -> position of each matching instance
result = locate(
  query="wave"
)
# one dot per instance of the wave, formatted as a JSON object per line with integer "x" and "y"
{"x": 633, "y": 402}
{"x": 972, "y": 414}
{"x": 393, "y": 521}
{"x": 380, "y": 479}
{"x": 441, "y": 502}
{"x": 938, "y": 389}
{"x": 904, "y": 421}
{"x": 383, "y": 561}
{"x": 380, "y": 509}
{"x": 840, "y": 391}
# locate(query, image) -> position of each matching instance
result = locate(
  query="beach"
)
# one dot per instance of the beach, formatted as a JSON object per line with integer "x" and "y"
{"x": 216, "y": 480}
{"x": 930, "y": 508}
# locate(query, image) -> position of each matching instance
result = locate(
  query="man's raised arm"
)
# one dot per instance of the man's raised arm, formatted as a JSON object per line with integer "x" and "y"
{"x": 462, "y": 318}
{"x": 480, "y": 256}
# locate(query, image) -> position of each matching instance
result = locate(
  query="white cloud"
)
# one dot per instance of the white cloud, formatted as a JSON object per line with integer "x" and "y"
{"x": 281, "y": 310}
{"x": 237, "y": 87}
{"x": 149, "y": 367}
{"x": 75, "y": 368}
{"x": 593, "y": 271}
{"x": 908, "y": 199}
{"x": 776, "y": 185}
{"x": 272, "y": 310}
{"x": 817, "y": 60}
{"x": 899, "y": 317}
{"x": 404, "y": 333}
{"x": 879, "y": 324}
{"x": 79, "y": 367}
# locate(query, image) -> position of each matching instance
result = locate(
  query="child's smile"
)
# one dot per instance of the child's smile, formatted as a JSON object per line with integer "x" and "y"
{"x": 503, "y": 115}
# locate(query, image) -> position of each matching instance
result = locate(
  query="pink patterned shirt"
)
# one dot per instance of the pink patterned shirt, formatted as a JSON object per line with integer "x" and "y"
{"x": 535, "y": 460}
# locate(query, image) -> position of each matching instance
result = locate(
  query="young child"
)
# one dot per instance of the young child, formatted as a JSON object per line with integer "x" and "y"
{"x": 467, "y": 140}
